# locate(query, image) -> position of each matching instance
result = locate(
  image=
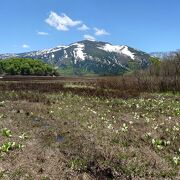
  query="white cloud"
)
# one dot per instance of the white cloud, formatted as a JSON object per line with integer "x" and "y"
{"x": 41, "y": 33}
{"x": 100, "y": 32}
{"x": 61, "y": 22}
{"x": 89, "y": 37}
{"x": 25, "y": 46}
{"x": 83, "y": 28}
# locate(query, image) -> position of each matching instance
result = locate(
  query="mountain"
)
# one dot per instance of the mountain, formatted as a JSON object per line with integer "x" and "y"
{"x": 162, "y": 55}
{"x": 86, "y": 56}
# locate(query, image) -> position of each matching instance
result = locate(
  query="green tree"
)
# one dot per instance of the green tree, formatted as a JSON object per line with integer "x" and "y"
{"x": 22, "y": 66}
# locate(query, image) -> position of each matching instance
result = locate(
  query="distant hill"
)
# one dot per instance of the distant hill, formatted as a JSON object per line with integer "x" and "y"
{"x": 90, "y": 57}
{"x": 162, "y": 55}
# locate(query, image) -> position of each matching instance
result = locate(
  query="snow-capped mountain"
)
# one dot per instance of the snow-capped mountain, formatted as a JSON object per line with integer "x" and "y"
{"x": 162, "y": 55}
{"x": 90, "y": 56}
{"x": 8, "y": 55}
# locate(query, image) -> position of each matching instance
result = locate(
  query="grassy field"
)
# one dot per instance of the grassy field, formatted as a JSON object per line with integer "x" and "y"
{"x": 79, "y": 128}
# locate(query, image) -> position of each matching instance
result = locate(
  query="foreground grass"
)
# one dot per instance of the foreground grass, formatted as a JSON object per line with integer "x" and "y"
{"x": 70, "y": 136}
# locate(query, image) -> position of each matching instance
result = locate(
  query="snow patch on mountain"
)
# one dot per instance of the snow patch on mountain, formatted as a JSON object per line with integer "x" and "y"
{"x": 78, "y": 52}
{"x": 127, "y": 52}
{"x": 65, "y": 54}
{"x": 118, "y": 49}
{"x": 52, "y": 55}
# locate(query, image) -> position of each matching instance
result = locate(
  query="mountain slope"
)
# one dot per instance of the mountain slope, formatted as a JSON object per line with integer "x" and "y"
{"x": 90, "y": 57}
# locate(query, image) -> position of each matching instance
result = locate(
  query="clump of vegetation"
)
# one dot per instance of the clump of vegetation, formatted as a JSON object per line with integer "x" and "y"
{"x": 159, "y": 143}
{"x": 2, "y": 103}
{"x": 22, "y": 66}
{"x": 7, "y": 146}
{"x": 6, "y": 132}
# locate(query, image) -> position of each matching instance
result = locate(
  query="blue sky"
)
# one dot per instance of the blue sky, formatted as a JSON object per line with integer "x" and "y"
{"x": 149, "y": 25}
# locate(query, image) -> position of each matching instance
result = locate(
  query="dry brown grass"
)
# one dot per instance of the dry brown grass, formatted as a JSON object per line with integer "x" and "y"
{"x": 140, "y": 83}
{"x": 106, "y": 87}
{"x": 85, "y": 87}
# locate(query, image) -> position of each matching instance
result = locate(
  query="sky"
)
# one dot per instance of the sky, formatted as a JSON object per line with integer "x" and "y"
{"x": 148, "y": 25}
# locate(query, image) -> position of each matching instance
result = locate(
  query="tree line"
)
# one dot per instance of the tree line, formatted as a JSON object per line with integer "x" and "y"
{"x": 23, "y": 66}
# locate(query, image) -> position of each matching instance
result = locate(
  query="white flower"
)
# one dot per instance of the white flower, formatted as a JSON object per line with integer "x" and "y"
{"x": 110, "y": 126}
{"x": 175, "y": 128}
{"x": 23, "y": 136}
{"x": 147, "y": 119}
{"x": 153, "y": 141}
{"x": 148, "y": 134}
{"x": 176, "y": 160}
{"x": 90, "y": 127}
{"x": 160, "y": 147}
{"x": 155, "y": 127}
{"x": 94, "y": 112}
{"x": 2, "y": 103}
{"x": 124, "y": 128}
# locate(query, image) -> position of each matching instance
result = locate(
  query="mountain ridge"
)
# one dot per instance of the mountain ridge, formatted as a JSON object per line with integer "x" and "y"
{"x": 164, "y": 54}
{"x": 90, "y": 56}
